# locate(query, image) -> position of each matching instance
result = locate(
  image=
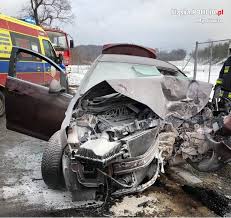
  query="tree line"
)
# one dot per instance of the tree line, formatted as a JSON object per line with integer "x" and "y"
{"x": 219, "y": 53}
{"x": 86, "y": 54}
{"x": 173, "y": 55}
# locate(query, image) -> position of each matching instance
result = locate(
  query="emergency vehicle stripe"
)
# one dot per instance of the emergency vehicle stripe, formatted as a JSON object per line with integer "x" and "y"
{"x": 4, "y": 35}
{"x": 35, "y": 77}
{"x": 4, "y": 66}
{"x": 3, "y": 24}
{"x": 18, "y": 28}
{"x": 26, "y": 67}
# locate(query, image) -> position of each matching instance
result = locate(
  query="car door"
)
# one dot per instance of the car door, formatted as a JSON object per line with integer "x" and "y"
{"x": 30, "y": 108}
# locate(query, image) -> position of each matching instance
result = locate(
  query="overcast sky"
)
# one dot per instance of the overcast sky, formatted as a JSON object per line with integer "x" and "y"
{"x": 146, "y": 22}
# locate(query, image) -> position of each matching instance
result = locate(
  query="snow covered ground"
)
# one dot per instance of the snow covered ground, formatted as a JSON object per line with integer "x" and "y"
{"x": 202, "y": 70}
{"x": 77, "y": 72}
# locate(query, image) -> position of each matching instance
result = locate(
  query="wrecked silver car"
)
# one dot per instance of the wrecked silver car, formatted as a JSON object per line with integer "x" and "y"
{"x": 130, "y": 117}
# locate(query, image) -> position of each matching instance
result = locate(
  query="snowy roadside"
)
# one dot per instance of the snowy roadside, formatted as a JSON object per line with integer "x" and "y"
{"x": 76, "y": 74}
{"x": 202, "y": 70}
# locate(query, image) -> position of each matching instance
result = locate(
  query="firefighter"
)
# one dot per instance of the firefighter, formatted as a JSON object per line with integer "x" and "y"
{"x": 223, "y": 83}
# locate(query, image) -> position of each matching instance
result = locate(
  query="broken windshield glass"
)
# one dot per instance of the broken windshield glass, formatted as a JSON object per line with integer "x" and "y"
{"x": 144, "y": 70}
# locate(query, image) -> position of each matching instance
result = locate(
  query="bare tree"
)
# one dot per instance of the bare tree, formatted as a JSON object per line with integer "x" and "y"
{"x": 45, "y": 12}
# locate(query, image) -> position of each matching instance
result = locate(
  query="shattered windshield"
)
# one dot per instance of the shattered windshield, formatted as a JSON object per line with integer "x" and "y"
{"x": 111, "y": 70}
{"x": 144, "y": 70}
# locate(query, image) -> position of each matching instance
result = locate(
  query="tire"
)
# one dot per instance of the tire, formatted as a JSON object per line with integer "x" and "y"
{"x": 2, "y": 104}
{"x": 51, "y": 166}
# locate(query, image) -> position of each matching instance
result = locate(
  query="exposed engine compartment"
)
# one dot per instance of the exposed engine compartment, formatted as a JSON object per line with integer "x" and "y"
{"x": 114, "y": 137}
{"x": 115, "y": 114}
{"x": 119, "y": 145}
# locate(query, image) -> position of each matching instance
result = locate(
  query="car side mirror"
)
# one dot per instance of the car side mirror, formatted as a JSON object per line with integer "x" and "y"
{"x": 55, "y": 87}
{"x": 71, "y": 43}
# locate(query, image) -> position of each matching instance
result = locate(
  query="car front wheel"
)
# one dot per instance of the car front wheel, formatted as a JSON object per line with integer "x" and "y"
{"x": 2, "y": 104}
{"x": 52, "y": 163}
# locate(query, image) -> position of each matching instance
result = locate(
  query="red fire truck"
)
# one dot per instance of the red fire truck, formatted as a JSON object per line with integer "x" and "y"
{"x": 61, "y": 43}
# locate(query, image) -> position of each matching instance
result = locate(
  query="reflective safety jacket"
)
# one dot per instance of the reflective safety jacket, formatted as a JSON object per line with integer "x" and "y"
{"x": 224, "y": 79}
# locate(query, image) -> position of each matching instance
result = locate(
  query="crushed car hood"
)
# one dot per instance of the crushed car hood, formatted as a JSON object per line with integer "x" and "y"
{"x": 169, "y": 97}
{"x": 165, "y": 95}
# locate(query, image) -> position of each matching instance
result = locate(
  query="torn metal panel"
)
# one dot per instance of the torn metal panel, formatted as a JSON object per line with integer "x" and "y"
{"x": 165, "y": 95}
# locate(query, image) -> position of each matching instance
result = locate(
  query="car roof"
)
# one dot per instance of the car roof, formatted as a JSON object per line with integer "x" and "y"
{"x": 136, "y": 60}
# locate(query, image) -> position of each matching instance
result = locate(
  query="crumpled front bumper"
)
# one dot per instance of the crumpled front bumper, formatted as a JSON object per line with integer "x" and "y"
{"x": 139, "y": 158}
